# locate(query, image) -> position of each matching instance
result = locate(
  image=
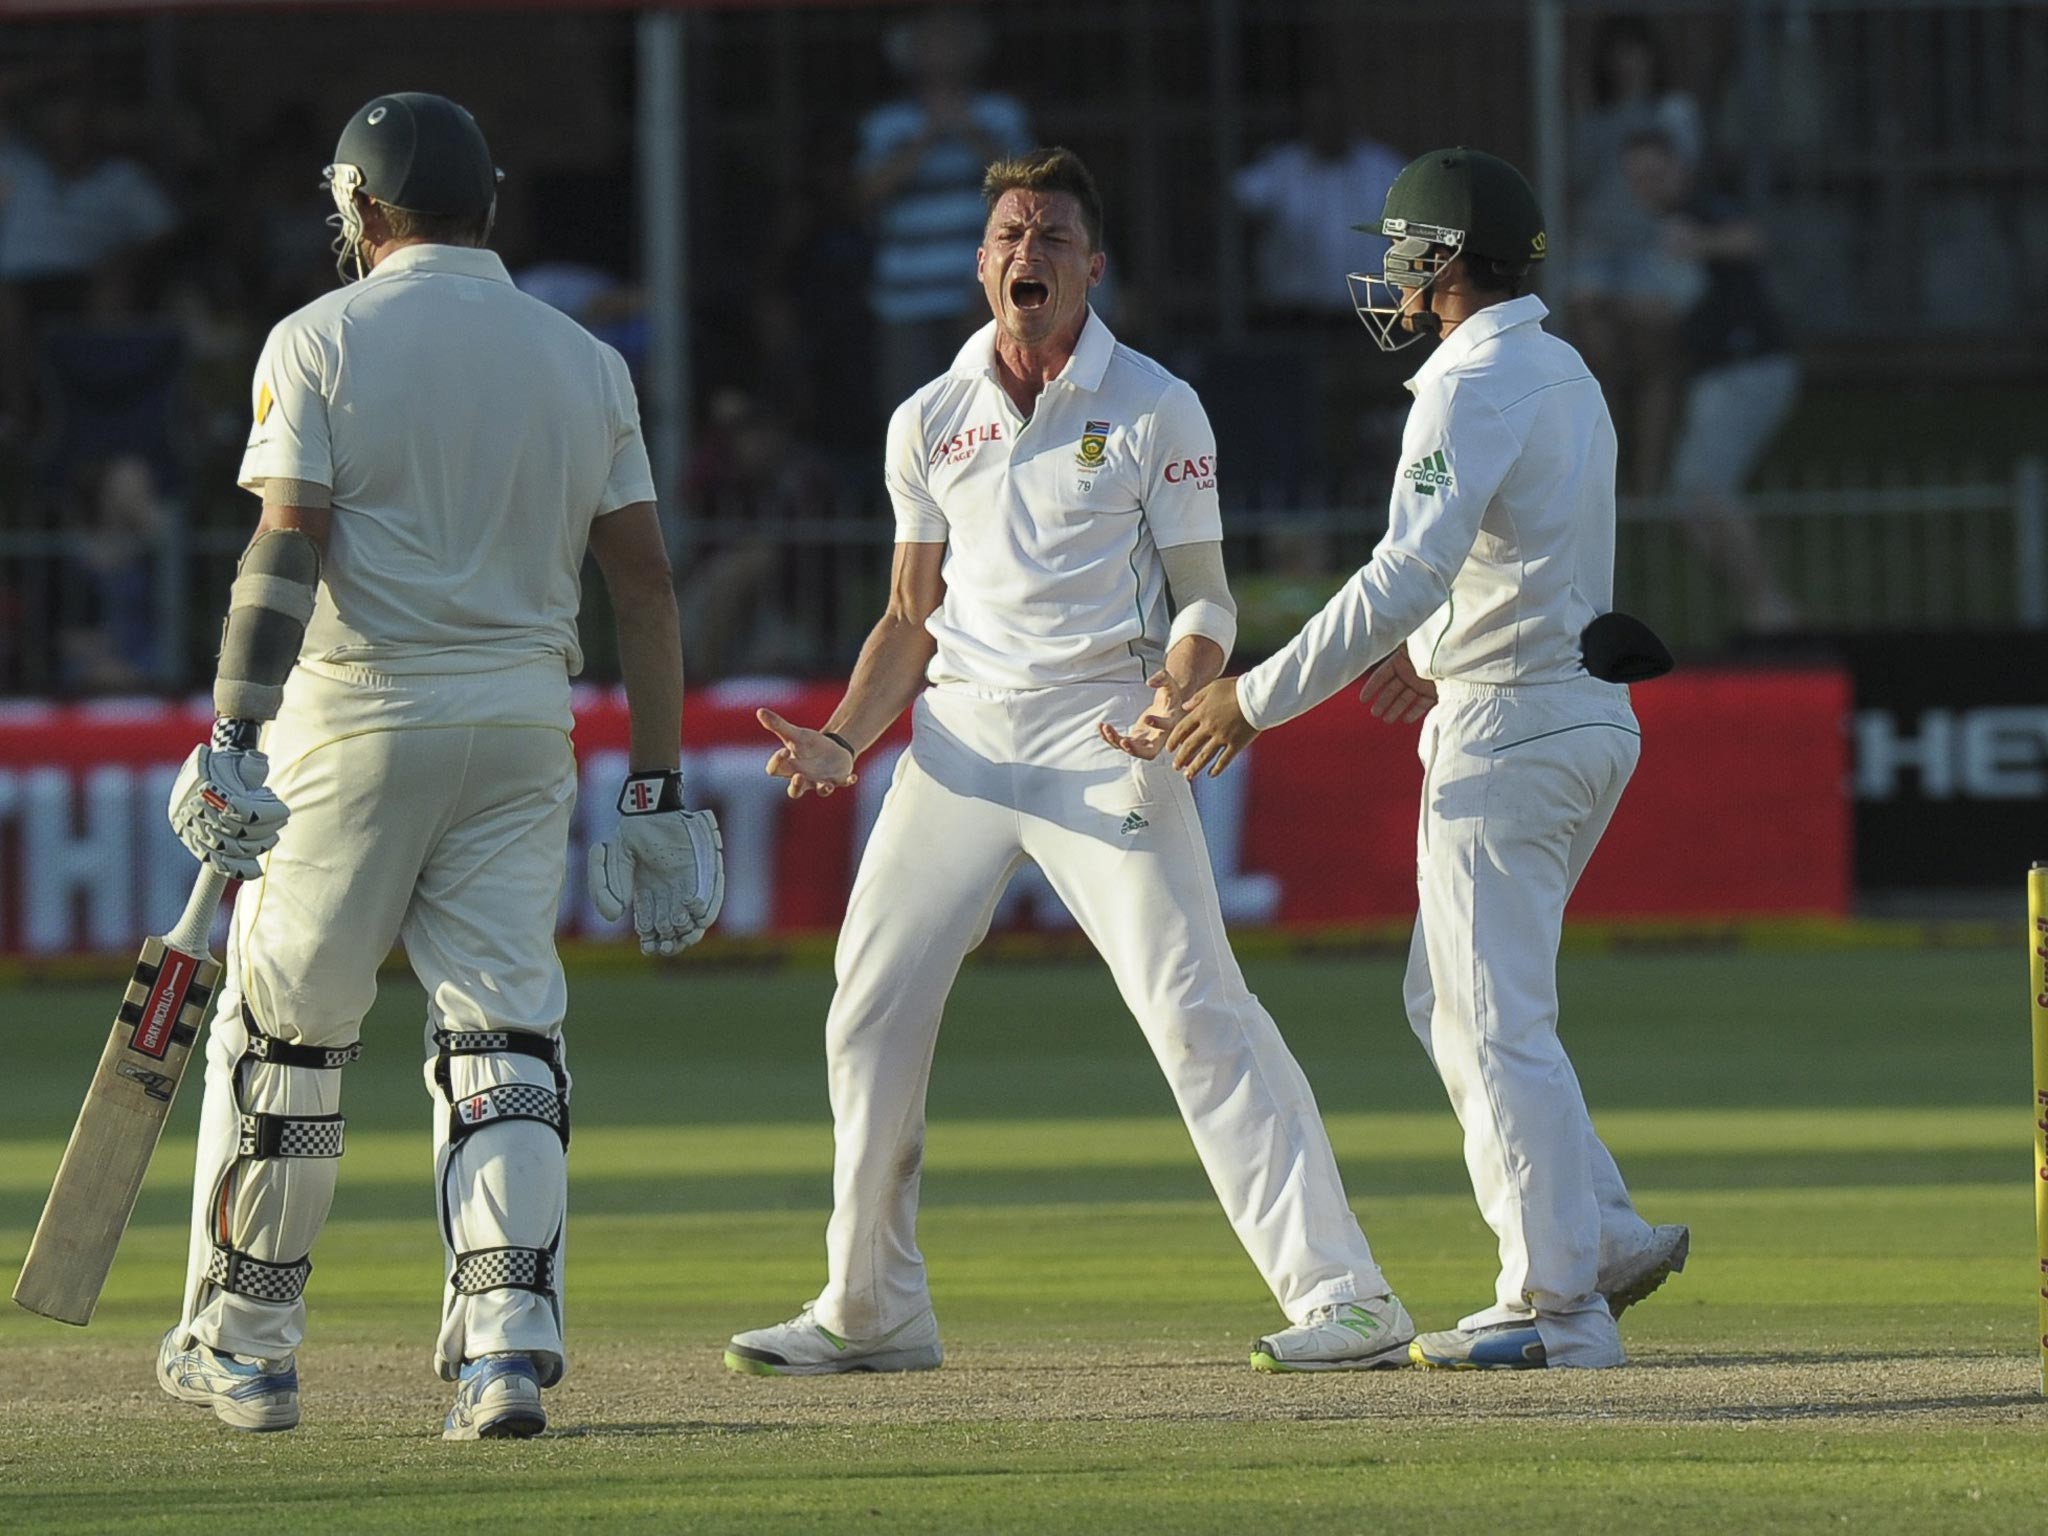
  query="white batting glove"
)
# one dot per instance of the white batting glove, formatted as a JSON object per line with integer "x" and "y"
{"x": 667, "y": 862}
{"x": 221, "y": 811}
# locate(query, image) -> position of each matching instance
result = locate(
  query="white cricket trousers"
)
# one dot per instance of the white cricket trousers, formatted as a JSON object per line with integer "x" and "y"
{"x": 1518, "y": 785}
{"x": 433, "y": 810}
{"x": 992, "y": 779}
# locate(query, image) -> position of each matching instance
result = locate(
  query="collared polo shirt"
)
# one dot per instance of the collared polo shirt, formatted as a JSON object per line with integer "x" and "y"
{"x": 1053, "y": 522}
{"x": 1500, "y": 534}
{"x": 470, "y": 435}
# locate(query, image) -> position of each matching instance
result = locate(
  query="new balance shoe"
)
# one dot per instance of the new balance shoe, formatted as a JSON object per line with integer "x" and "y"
{"x": 1634, "y": 1278}
{"x": 1351, "y": 1336}
{"x": 805, "y": 1347}
{"x": 1496, "y": 1347}
{"x": 497, "y": 1398}
{"x": 243, "y": 1392}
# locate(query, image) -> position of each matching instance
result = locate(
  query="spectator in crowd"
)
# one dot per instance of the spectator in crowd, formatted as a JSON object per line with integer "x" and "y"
{"x": 753, "y": 598}
{"x": 1629, "y": 287}
{"x": 107, "y": 637}
{"x": 81, "y": 224}
{"x": 1302, "y": 197}
{"x": 82, "y": 219}
{"x": 1742, "y": 378}
{"x": 919, "y": 169}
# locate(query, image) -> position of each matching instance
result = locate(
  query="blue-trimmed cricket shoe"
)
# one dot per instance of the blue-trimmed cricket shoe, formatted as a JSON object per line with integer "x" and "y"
{"x": 498, "y": 1398}
{"x": 244, "y": 1393}
{"x": 1497, "y": 1347}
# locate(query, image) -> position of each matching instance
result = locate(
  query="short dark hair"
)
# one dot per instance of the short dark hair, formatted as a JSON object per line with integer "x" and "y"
{"x": 1510, "y": 279}
{"x": 436, "y": 228}
{"x": 1048, "y": 170}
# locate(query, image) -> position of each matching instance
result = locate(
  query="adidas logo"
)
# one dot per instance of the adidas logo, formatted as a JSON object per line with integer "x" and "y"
{"x": 1133, "y": 823}
{"x": 1428, "y": 473}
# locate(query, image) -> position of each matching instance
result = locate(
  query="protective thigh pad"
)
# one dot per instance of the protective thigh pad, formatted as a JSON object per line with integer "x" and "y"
{"x": 273, "y": 1195}
{"x": 269, "y": 605}
{"x": 503, "y": 1187}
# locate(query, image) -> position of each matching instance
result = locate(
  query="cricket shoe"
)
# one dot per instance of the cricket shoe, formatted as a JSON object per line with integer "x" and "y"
{"x": 243, "y": 1392}
{"x": 1635, "y": 1277}
{"x": 1496, "y": 1347}
{"x": 1350, "y": 1336}
{"x": 498, "y": 1398}
{"x": 803, "y": 1346}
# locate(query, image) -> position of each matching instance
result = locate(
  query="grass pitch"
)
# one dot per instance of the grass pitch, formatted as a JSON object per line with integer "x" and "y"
{"x": 1852, "y": 1345}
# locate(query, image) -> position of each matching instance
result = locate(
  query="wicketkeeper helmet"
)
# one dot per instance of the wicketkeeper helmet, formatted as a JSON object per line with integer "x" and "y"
{"x": 1445, "y": 204}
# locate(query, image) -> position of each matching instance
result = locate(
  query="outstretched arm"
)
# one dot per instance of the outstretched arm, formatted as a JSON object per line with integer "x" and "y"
{"x": 887, "y": 677}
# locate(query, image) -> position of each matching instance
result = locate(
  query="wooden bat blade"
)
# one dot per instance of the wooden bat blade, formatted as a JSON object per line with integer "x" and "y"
{"x": 116, "y": 1134}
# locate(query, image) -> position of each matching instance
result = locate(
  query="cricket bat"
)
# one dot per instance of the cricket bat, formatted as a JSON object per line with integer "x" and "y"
{"x": 125, "y": 1109}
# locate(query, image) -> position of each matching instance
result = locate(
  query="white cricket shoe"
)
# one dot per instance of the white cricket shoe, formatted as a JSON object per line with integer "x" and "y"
{"x": 805, "y": 1347}
{"x": 243, "y": 1393}
{"x": 1634, "y": 1278}
{"x": 498, "y": 1399}
{"x": 1368, "y": 1335}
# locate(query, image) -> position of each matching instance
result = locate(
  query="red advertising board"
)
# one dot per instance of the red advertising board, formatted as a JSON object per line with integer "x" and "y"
{"x": 1738, "y": 809}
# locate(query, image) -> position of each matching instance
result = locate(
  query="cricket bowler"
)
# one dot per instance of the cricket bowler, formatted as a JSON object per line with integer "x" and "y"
{"x": 1488, "y": 603}
{"x": 1058, "y": 568}
{"x": 434, "y": 451}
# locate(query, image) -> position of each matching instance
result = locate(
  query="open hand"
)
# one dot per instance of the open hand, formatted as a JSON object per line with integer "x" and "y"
{"x": 1148, "y": 737}
{"x": 1398, "y": 693}
{"x": 808, "y": 759}
{"x": 1212, "y": 731}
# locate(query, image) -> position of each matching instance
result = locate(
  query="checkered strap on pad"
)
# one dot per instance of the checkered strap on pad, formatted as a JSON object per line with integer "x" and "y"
{"x": 291, "y": 1135}
{"x": 513, "y": 1101}
{"x": 237, "y": 1272}
{"x": 504, "y": 1269}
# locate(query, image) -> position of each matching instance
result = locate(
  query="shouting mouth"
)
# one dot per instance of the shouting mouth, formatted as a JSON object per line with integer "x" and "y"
{"x": 1029, "y": 293}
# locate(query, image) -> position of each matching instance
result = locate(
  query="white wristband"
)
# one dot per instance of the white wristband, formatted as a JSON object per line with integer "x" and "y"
{"x": 1210, "y": 620}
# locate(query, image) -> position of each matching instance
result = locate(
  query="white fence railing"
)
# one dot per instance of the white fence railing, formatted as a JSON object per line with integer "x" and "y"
{"x": 796, "y": 596}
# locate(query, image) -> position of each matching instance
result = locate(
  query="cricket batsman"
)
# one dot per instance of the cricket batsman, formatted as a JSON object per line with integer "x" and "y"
{"x": 434, "y": 451}
{"x": 1058, "y": 567}
{"x": 1487, "y": 603}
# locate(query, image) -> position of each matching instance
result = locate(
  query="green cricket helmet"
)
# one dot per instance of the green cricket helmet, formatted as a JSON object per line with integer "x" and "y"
{"x": 1445, "y": 204}
{"x": 414, "y": 151}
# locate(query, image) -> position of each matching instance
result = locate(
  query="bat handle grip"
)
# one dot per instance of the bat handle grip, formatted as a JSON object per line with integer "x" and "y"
{"x": 195, "y": 924}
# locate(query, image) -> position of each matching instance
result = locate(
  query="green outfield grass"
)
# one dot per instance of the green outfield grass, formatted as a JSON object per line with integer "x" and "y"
{"x": 1846, "y": 1132}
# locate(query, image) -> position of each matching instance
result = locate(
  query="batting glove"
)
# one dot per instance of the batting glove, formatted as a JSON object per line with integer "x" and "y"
{"x": 221, "y": 811}
{"x": 668, "y": 862}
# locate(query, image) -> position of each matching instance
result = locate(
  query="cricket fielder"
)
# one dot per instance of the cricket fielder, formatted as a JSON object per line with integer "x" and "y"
{"x": 1496, "y": 574}
{"x": 1054, "y": 493}
{"x": 435, "y": 451}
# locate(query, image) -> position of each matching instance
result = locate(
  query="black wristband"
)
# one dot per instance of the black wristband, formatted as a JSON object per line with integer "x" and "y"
{"x": 835, "y": 736}
{"x": 234, "y": 735}
{"x": 646, "y": 793}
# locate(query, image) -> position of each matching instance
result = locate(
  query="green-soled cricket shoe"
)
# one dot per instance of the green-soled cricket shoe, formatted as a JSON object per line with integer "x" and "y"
{"x": 805, "y": 1347}
{"x": 1370, "y": 1335}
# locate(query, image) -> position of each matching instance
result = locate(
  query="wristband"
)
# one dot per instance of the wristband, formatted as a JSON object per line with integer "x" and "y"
{"x": 835, "y": 736}
{"x": 646, "y": 793}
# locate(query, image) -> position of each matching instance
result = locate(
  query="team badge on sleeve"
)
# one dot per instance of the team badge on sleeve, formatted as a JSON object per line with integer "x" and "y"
{"x": 264, "y": 401}
{"x": 1094, "y": 439}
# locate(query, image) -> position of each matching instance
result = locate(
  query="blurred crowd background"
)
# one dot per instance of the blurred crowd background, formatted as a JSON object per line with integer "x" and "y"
{"x": 1804, "y": 243}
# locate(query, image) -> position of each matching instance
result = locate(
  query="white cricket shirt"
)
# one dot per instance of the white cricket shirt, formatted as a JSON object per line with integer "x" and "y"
{"x": 1500, "y": 538}
{"x": 1053, "y": 523}
{"x": 470, "y": 434}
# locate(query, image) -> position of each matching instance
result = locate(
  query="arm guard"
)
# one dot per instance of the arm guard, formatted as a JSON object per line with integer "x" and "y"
{"x": 1201, "y": 595}
{"x": 269, "y": 605}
